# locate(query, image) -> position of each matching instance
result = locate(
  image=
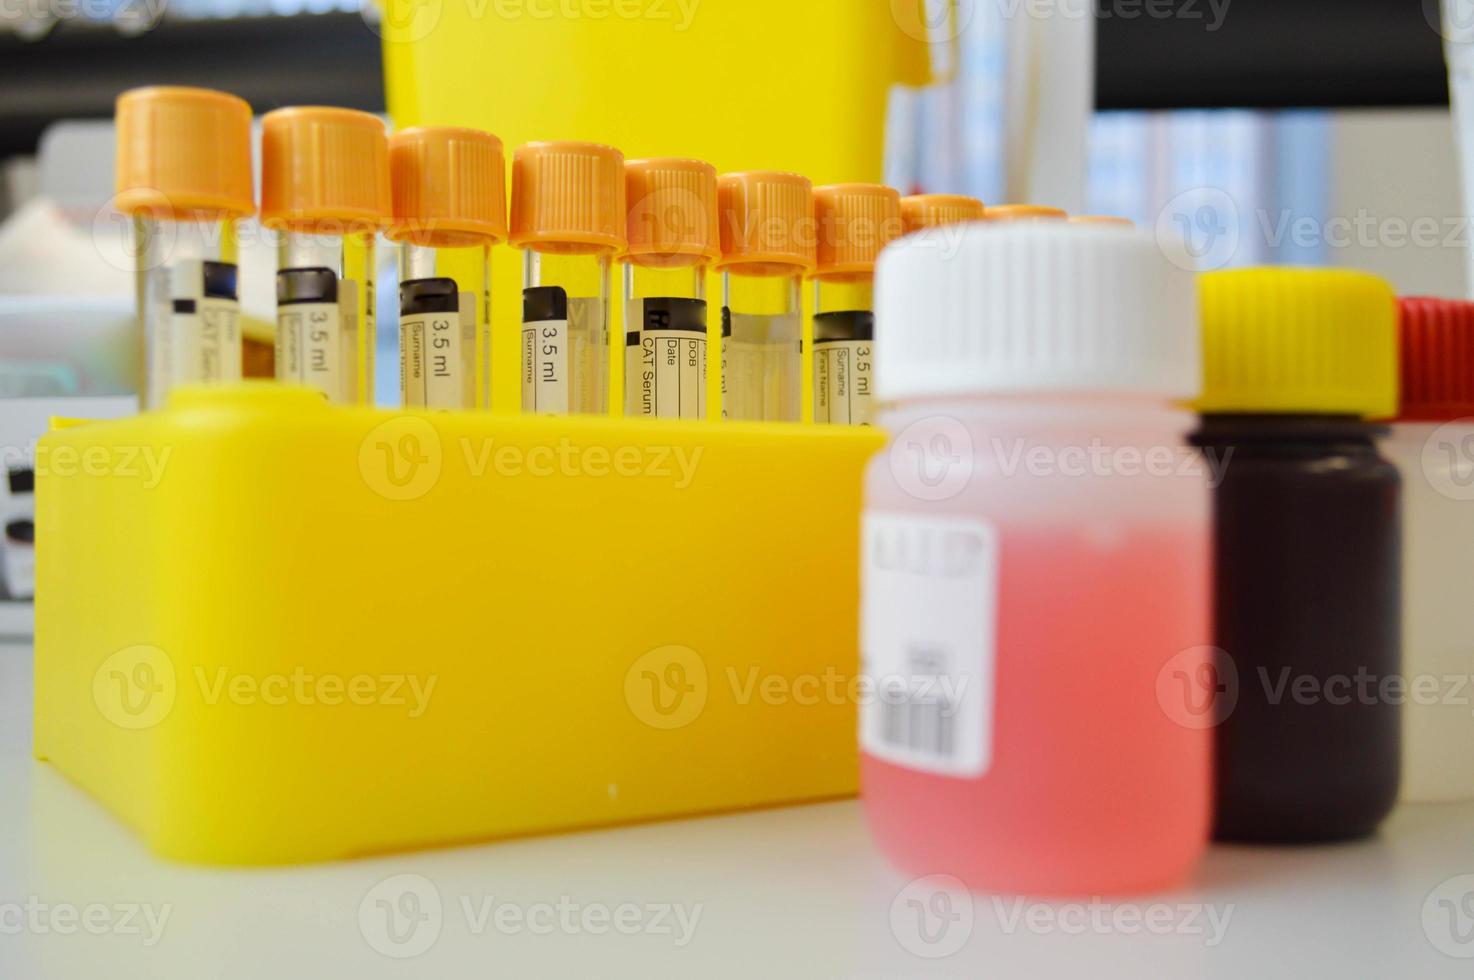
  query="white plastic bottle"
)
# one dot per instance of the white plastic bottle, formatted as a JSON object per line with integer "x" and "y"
{"x": 1035, "y": 564}
{"x": 1432, "y": 445}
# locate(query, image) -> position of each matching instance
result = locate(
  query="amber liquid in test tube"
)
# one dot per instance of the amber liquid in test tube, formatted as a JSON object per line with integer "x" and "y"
{"x": 449, "y": 210}
{"x": 325, "y": 191}
{"x": 854, "y": 223}
{"x": 673, "y": 240}
{"x": 767, "y": 235}
{"x": 568, "y": 217}
{"x": 184, "y": 178}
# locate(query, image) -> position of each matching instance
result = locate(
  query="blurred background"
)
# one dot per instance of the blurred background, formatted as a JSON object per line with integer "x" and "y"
{"x": 1262, "y": 131}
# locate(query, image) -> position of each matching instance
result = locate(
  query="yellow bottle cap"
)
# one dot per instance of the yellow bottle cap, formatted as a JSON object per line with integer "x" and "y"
{"x": 921, "y": 211}
{"x": 1101, "y": 219}
{"x": 323, "y": 166}
{"x": 1024, "y": 212}
{"x": 449, "y": 187}
{"x": 767, "y": 222}
{"x": 1283, "y": 340}
{"x": 855, "y": 222}
{"x": 183, "y": 151}
{"x": 672, "y": 211}
{"x": 568, "y": 197}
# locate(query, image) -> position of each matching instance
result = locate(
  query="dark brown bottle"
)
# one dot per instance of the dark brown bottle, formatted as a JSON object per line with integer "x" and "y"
{"x": 1307, "y": 524}
{"x": 1308, "y": 608}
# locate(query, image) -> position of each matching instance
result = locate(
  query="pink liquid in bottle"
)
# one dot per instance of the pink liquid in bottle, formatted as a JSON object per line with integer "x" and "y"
{"x": 1094, "y": 785}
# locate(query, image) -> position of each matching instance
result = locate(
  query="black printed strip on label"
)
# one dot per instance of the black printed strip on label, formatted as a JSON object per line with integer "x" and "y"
{"x": 418, "y": 296}
{"x": 632, "y": 338}
{"x": 540, "y": 303}
{"x": 844, "y": 325}
{"x": 674, "y": 313}
{"x": 184, "y": 306}
{"x": 726, "y": 322}
{"x": 306, "y": 286}
{"x": 220, "y": 280}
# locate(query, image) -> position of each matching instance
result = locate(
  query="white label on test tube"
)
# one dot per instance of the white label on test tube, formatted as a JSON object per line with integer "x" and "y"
{"x": 842, "y": 383}
{"x": 288, "y": 348}
{"x": 319, "y": 327}
{"x": 665, "y": 366}
{"x": 310, "y": 334}
{"x": 204, "y": 323}
{"x": 436, "y": 325}
{"x": 546, "y": 351}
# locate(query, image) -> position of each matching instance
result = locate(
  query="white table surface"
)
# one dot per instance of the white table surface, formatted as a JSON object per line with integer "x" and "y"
{"x": 795, "y": 892}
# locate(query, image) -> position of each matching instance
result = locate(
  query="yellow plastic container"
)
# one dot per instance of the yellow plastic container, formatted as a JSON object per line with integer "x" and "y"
{"x": 271, "y": 630}
{"x": 796, "y": 85}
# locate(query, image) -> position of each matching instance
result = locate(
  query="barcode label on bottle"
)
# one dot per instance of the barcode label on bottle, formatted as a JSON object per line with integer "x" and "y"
{"x": 919, "y": 721}
{"x": 928, "y": 635}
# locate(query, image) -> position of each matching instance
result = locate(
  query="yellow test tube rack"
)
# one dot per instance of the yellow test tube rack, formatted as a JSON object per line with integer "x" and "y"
{"x": 272, "y": 630}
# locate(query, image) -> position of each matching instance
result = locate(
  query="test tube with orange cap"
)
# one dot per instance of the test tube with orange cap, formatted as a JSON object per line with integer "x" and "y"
{"x": 1024, "y": 212}
{"x": 449, "y": 189}
{"x": 672, "y": 241}
{"x": 325, "y": 191}
{"x": 921, "y": 212}
{"x": 854, "y": 223}
{"x": 568, "y": 216}
{"x": 184, "y": 179}
{"x": 767, "y": 236}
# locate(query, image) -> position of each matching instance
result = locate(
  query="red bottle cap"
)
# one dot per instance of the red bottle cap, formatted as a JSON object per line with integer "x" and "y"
{"x": 1437, "y": 339}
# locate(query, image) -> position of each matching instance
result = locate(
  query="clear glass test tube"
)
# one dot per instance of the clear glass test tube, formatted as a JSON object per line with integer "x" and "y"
{"x": 844, "y": 338}
{"x": 767, "y": 237}
{"x": 568, "y": 217}
{"x": 184, "y": 181}
{"x": 444, "y": 326}
{"x": 673, "y": 240}
{"x": 189, "y": 300}
{"x": 565, "y": 332}
{"x": 325, "y": 191}
{"x": 665, "y": 341}
{"x": 855, "y": 222}
{"x": 325, "y": 312}
{"x": 449, "y": 191}
{"x": 762, "y": 347}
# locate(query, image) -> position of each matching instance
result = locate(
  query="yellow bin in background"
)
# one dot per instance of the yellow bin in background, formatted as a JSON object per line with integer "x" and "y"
{"x": 798, "y": 85}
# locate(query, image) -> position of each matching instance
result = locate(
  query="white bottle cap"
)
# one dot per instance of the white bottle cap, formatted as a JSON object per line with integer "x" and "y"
{"x": 990, "y": 308}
